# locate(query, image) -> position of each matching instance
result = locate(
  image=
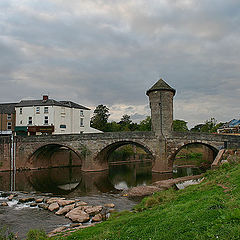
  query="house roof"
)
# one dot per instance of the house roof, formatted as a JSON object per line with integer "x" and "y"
{"x": 234, "y": 122}
{"x": 161, "y": 85}
{"x": 74, "y": 105}
{"x": 50, "y": 102}
{"x": 7, "y": 108}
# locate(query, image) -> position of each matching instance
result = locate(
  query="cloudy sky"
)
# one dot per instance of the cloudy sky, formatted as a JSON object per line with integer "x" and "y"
{"x": 111, "y": 52}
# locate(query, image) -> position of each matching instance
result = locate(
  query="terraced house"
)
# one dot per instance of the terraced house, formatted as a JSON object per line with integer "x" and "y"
{"x": 45, "y": 116}
{"x": 48, "y": 116}
{"x": 7, "y": 118}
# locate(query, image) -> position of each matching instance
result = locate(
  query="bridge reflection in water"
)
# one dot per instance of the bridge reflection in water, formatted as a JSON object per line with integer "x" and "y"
{"x": 72, "y": 182}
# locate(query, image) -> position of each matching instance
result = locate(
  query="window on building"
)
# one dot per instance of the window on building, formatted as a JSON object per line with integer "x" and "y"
{"x": 37, "y": 110}
{"x": 20, "y": 111}
{"x": 45, "y": 109}
{"x": 29, "y": 120}
{"x": 81, "y": 122}
{"x": 81, "y": 113}
{"x": 62, "y": 110}
{"x": 21, "y": 122}
{"x": 45, "y": 120}
{"x": 9, "y": 116}
{"x": 9, "y": 126}
{"x": 63, "y": 126}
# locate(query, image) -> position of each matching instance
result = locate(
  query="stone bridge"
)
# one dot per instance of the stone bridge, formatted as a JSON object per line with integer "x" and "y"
{"x": 93, "y": 150}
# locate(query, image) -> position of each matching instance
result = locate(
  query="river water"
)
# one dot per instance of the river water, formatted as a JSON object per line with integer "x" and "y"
{"x": 95, "y": 188}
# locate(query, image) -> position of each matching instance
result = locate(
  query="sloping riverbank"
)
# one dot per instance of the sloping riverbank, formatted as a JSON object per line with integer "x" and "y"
{"x": 209, "y": 210}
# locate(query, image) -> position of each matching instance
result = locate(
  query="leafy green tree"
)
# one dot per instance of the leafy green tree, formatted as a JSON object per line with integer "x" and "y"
{"x": 145, "y": 125}
{"x": 113, "y": 127}
{"x": 209, "y": 126}
{"x": 125, "y": 122}
{"x": 180, "y": 126}
{"x": 100, "y": 117}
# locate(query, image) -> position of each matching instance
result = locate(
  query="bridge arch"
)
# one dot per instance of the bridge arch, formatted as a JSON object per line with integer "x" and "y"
{"x": 103, "y": 155}
{"x": 172, "y": 156}
{"x": 41, "y": 156}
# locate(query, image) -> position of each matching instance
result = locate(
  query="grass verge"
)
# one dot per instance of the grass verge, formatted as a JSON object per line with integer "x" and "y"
{"x": 209, "y": 210}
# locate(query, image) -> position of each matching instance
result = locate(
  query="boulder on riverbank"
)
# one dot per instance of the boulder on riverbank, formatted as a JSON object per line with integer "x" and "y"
{"x": 166, "y": 184}
{"x": 143, "y": 191}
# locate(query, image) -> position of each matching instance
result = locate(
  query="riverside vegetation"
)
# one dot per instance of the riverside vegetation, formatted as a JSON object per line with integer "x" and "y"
{"x": 209, "y": 210}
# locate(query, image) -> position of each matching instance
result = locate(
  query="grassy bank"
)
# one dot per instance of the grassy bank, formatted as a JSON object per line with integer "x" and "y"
{"x": 210, "y": 210}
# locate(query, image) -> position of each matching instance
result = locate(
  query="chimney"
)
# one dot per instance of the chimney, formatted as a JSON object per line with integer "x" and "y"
{"x": 45, "y": 97}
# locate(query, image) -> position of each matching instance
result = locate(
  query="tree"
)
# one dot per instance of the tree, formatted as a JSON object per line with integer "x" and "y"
{"x": 145, "y": 125}
{"x": 100, "y": 117}
{"x": 180, "y": 126}
{"x": 125, "y": 122}
{"x": 209, "y": 126}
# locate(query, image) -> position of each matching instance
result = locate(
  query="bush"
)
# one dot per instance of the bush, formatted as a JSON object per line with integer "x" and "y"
{"x": 5, "y": 234}
{"x": 36, "y": 235}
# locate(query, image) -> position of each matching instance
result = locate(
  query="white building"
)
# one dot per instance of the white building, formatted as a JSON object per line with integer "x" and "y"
{"x": 48, "y": 116}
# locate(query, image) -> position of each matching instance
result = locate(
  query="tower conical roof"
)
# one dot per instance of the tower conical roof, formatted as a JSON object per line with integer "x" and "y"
{"x": 161, "y": 85}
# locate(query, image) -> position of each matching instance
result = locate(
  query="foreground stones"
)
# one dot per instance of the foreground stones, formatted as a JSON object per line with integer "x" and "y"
{"x": 78, "y": 215}
{"x": 65, "y": 209}
{"x": 79, "y": 212}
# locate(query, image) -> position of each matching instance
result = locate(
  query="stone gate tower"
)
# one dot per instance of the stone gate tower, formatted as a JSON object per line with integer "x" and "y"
{"x": 161, "y": 104}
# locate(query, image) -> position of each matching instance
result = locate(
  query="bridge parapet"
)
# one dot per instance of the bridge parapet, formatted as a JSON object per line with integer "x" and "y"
{"x": 87, "y": 136}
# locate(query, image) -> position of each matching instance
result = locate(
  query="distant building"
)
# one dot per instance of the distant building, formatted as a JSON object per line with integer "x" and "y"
{"x": 231, "y": 127}
{"x": 48, "y": 116}
{"x": 7, "y": 118}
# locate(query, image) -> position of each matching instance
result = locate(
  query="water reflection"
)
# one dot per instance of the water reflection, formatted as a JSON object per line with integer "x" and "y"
{"x": 72, "y": 182}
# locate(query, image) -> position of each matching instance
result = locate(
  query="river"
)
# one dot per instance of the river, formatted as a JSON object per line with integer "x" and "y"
{"x": 95, "y": 188}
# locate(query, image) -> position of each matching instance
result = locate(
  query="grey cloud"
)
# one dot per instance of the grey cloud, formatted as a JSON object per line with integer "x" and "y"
{"x": 115, "y": 51}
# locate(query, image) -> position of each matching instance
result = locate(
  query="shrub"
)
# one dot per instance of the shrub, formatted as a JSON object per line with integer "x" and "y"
{"x": 36, "y": 235}
{"x": 5, "y": 234}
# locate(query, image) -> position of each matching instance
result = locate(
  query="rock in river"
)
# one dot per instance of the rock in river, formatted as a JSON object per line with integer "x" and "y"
{"x": 65, "y": 209}
{"x": 93, "y": 210}
{"x": 97, "y": 218}
{"x": 63, "y": 203}
{"x": 78, "y": 215}
{"x": 53, "y": 206}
